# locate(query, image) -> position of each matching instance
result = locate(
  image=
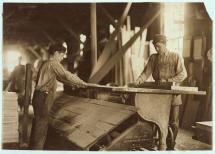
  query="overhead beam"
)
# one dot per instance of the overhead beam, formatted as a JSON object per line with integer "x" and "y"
{"x": 149, "y": 17}
{"x": 48, "y": 36}
{"x": 108, "y": 15}
{"x": 93, "y": 22}
{"x": 34, "y": 52}
{"x": 69, "y": 29}
{"x": 110, "y": 45}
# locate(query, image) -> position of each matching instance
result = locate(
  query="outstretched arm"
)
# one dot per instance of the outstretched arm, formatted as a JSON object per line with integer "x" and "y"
{"x": 67, "y": 77}
{"x": 147, "y": 71}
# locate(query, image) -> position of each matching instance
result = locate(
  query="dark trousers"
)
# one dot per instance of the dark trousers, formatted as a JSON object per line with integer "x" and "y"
{"x": 174, "y": 124}
{"x": 42, "y": 103}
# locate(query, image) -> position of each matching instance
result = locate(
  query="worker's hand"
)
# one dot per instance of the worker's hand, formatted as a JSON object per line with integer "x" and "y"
{"x": 138, "y": 81}
{"x": 133, "y": 84}
{"x": 81, "y": 85}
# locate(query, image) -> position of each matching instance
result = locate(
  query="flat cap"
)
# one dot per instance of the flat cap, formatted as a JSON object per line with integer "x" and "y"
{"x": 159, "y": 38}
{"x": 56, "y": 47}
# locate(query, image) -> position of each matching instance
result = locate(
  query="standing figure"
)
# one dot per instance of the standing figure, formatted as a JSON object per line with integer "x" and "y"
{"x": 17, "y": 83}
{"x": 46, "y": 84}
{"x": 165, "y": 66}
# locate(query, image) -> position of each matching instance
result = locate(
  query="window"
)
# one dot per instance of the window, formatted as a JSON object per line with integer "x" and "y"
{"x": 174, "y": 26}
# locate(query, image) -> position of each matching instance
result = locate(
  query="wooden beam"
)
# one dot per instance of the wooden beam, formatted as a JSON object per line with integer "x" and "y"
{"x": 48, "y": 36}
{"x": 110, "y": 45}
{"x": 93, "y": 34}
{"x": 149, "y": 17}
{"x": 69, "y": 29}
{"x": 34, "y": 52}
{"x": 107, "y": 14}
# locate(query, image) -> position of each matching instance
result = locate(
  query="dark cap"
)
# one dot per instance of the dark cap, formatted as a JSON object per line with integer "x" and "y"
{"x": 56, "y": 47}
{"x": 159, "y": 38}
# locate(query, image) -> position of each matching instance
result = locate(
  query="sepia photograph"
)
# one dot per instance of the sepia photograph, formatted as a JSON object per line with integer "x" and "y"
{"x": 107, "y": 76}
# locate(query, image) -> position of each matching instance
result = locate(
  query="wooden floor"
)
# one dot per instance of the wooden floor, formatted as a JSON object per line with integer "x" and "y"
{"x": 184, "y": 140}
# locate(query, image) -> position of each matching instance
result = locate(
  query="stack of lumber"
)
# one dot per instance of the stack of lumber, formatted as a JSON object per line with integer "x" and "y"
{"x": 10, "y": 118}
{"x": 203, "y": 131}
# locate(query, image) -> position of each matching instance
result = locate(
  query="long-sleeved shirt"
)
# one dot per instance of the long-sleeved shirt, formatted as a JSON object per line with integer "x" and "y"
{"x": 168, "y": 67}
{"x": 51, "y": 71}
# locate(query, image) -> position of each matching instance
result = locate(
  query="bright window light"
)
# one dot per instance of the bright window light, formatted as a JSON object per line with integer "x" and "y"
{"x": 81, "y": 53}
{"x": 174, "y": 25}
{"x": 12, "y": 60}
{"x": 75, "y": 65}
{"x": 83, "y": 38}
{"x": 64, "y": 44}
{"x": 81, "y": 46}
{"x": 111, "y": 29}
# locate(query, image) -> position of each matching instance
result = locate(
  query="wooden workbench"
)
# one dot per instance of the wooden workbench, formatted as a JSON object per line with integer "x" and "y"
{"x": 83, "y": 121}
{"x": 154, "y": 104}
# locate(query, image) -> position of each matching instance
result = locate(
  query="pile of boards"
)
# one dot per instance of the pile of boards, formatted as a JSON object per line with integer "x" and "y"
{"x": 10, "y": 132}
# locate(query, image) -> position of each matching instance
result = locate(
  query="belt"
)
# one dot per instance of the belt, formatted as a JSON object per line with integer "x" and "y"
{"x": 46, "y": 92}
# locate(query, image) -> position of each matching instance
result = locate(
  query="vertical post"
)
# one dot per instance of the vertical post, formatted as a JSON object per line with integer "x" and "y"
{"x": 162, "y": 18}
{"x": 93, "y": 34}
{"x": 27, "y": 99}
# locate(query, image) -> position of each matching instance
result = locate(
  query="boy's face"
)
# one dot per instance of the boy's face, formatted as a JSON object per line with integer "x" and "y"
{"x": 160, "y": 47}
{"x": 59, "y": 55}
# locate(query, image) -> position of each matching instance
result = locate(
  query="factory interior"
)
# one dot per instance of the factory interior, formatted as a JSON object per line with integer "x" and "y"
{"x": 107, "y": 48}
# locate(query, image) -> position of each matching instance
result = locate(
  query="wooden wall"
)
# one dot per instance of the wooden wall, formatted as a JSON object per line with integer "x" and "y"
{"x": 197, "y": 42}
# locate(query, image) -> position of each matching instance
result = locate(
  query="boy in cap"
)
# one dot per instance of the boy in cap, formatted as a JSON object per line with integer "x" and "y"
{"x": 165, "y": 66}
{"x": 46, "y": 83}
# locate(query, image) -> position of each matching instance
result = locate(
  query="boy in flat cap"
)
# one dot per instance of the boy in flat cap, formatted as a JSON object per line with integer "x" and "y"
{"x": 46, "y": 83}
{"x": 165, "y": 66}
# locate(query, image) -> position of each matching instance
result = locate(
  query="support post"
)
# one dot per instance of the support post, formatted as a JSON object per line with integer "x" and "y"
{"x": 93, "y": 34}
{"x": 27, "y": 99}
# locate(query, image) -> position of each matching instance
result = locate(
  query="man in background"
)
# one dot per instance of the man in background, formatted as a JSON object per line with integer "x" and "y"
{"x": 17, "y": 83}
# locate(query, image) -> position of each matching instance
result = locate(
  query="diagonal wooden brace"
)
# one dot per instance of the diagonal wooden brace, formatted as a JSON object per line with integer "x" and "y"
{"x": 149, "y": 17}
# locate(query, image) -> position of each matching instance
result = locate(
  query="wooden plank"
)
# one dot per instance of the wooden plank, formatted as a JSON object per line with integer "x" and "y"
{"x": 184, "y": 88}
{"x": 93, "y": 21}
{"x": 81, "y": 139}
{"x": 95, "y": 119}
{"x": 34, "y": 52}
{"x": 146, "y": 90}
{"x": 110, "y": 45}
{"x": 104, "y": 69}
{"x": 187, "y": 48}
{"x": 205, "y": 125}
{"x": 197, "y": 49}
{"x": 158, "y": 91}
{"x": 123, "y": 108}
